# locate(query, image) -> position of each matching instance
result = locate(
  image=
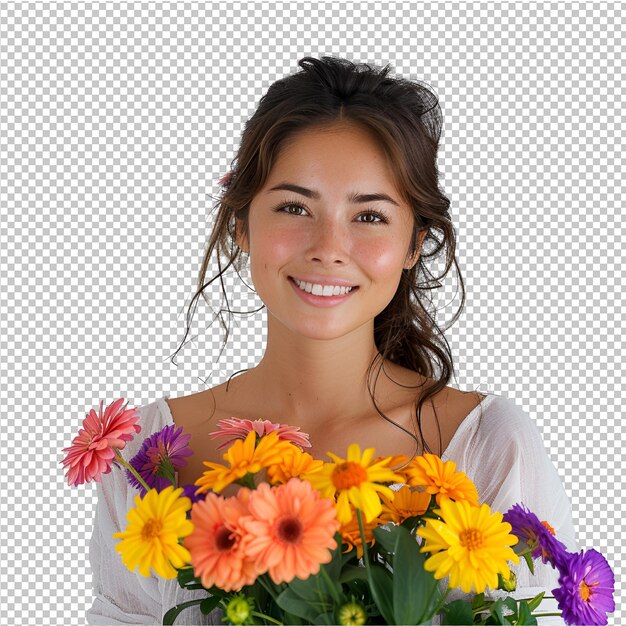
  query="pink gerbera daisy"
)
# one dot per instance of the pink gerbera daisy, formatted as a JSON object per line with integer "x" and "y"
{"x": 217, "y": 542}
{"x": 233, "y": 428}
{"x": 93, "y": 451}
{"x": 291, "y": 530}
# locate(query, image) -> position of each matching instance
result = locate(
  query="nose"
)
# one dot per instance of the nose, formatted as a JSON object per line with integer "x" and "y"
{"x": 329, "y": 243}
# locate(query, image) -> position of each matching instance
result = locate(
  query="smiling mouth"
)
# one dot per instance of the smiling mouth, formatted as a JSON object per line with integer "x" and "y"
{"x": 321, "y": 295}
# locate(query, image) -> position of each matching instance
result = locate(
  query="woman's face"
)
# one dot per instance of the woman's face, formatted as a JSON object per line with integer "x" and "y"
{"x": 322, "y": 232}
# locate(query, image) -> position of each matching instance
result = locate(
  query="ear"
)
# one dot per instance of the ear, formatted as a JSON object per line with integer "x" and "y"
{"x": 414, "y": 258}
{"x": 240, "y": 236}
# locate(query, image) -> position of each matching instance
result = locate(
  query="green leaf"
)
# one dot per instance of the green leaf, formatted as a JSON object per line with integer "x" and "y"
{"x": 352, "y": 572}
{"x": 320, "y": 588}
{"x": 524, "y": 615}
{"x": 497, "y": 613}
{"x": 458, "y": 612}
{"x": 381, "y": 585}
{"x": 186, "y": 576}
{"x": 529, "y": 560}
{"x": 536, "y": 601}
{"x": 511, "y": 604}
{"x": 172, "y": 614}
{"x": 316, "y": 595}
{"x": 415, "y": 591}
{"x": 208, "y": 604}
{"x": 291, "y": 602}
{"x": 386, "y": 537}
{"x": 478, "y": 600}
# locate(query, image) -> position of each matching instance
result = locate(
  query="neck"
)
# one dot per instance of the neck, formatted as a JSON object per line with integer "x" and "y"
{"x": 307, "y": 381}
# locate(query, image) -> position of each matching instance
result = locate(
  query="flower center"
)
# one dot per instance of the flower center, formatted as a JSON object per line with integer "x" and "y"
{"x": 151, "y": 529}
{"x": 348, "y": 474}
{"x": 471, "y": 539}
{"x": 584, "y": 590}
{"x": 289, "y": 530}
{"x": 224, "y": 539}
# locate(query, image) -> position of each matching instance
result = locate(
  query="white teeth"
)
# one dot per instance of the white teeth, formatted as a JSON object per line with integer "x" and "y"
{"x": 322, "y": 290}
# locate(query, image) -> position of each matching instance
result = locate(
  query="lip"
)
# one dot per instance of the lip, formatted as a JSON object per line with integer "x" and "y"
{"x": 321, "y": 280}
{"x": 320, "y": 301}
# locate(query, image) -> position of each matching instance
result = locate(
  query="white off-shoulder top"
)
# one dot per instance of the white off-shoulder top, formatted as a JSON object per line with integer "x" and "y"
{"x": 497, "y": 445}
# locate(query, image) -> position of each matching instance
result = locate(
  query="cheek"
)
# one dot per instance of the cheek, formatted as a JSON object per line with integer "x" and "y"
{"x": 383, "y": 258}
{"x": 272, "y": 245}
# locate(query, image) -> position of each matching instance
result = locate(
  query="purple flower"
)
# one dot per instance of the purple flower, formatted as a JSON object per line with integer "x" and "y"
{"x": 537, "y": 535}
{"x": 587, "y": 584}
{"x": 159, "y": 457}
{"x": 189, "y": 491}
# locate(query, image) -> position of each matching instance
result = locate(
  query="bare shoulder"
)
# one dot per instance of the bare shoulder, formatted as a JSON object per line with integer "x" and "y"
{"x": 464, "y": 402}
{"x": 188, "y": 411}
{"x": 454, "y": 406}
{"x": 460, "y": 404}
{"x": 203, "y": 406}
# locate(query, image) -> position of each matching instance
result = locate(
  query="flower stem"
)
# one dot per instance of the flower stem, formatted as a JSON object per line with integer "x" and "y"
{"x": 267, "y": 586}
{"x": 267, "y": 617}
{"x": 442, "y": 602}
{"x": 363, "y": 542}
{"x": 131, "y": 469}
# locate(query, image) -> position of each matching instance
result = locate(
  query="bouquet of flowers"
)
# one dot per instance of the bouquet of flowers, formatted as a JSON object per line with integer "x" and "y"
{"x": 303, "y": 541}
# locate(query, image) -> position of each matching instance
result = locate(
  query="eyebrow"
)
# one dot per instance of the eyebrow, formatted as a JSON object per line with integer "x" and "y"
{"x": 357, "y": 198}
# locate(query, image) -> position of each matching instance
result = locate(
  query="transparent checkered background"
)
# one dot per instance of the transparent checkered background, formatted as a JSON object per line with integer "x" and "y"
{"x": 117, "y": 120}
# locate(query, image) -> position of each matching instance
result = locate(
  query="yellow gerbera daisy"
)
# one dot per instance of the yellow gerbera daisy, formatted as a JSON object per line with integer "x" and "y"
{"x": 293, "y": 464}
{"x": 151, "y": 537}
{"x": 243, "y": 457}
{"x": 440, "y": 479}
{"x": 471, "y": 545}
{"x": 406, "y": 503}
{"x": 355, "y": 480}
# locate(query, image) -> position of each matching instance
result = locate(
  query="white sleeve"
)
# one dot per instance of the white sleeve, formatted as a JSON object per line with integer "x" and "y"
{"x": 120, "y": 596}
{"x": 509, "y": 464}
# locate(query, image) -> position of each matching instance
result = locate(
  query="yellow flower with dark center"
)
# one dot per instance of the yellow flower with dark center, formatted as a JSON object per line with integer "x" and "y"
{"x": 357, "y": 480}
{"x": 243, "y": 457}
{"x": 440, "y": 479}
{"x": 151, "y": 537}
{"x": 471, "y": 545}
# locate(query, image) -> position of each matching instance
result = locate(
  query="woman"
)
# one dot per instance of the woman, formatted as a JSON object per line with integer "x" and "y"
{"x": 333, "y": 199}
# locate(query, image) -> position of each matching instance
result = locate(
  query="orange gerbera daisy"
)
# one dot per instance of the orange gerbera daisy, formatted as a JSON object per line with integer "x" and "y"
{"x": 218, "y": 540}
{"x": 351, "y": 536}
{"x": 93, "y": 451}
{"x": 291, "y": 530}
{"x": 243, "y": 457}
{"x": 441, "y": 479}
{"x": 293, "y": 464}
{"x": 406, "y": 503}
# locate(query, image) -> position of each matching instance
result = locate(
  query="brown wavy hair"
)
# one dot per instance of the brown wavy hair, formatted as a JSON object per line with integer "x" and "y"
{"x": 405, "y": 117}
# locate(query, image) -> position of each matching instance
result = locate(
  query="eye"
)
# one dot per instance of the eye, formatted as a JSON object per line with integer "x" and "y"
{"x": 378, "y": 217}
{"x": 382, "y": 219}
{"x": 289, "y": 205}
